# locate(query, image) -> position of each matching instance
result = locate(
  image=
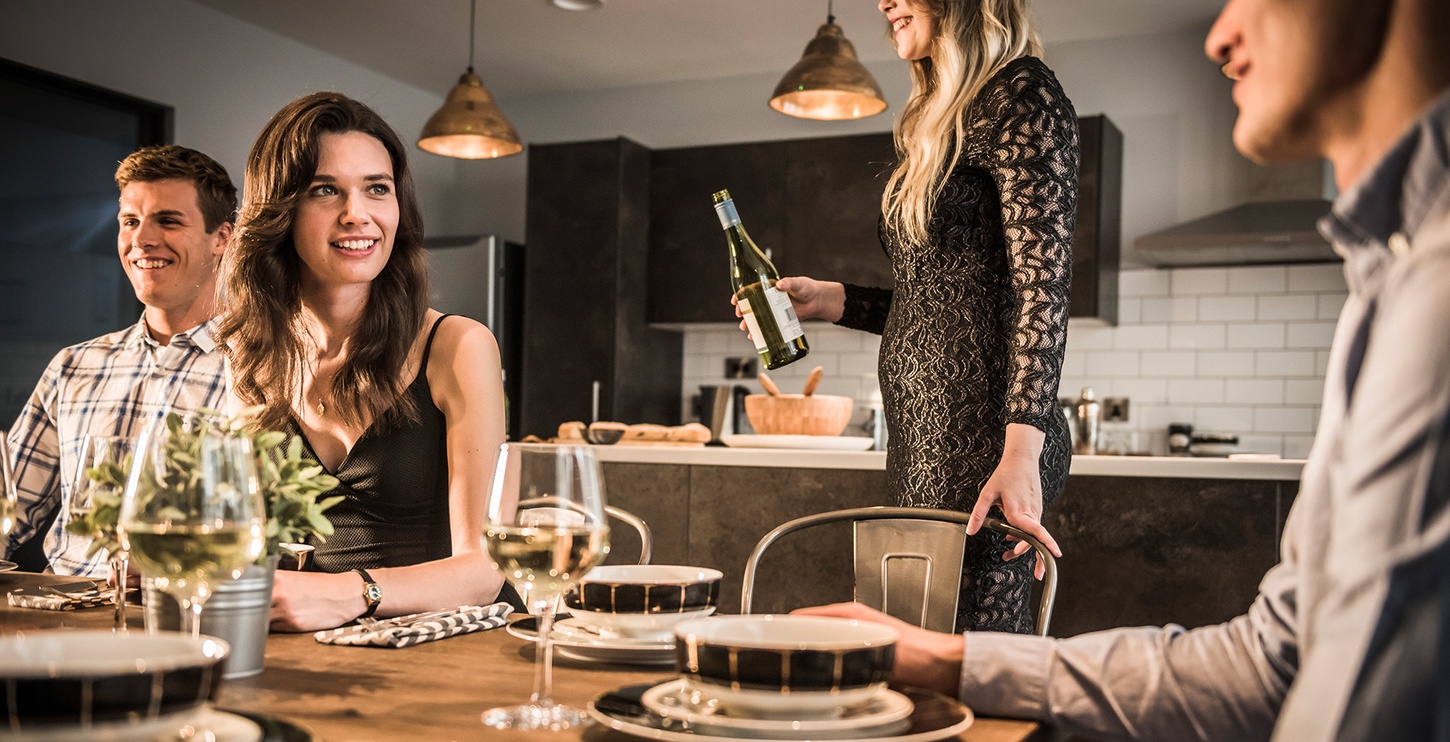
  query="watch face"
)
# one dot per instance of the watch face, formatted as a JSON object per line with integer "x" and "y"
{"x": 373, "y": 593}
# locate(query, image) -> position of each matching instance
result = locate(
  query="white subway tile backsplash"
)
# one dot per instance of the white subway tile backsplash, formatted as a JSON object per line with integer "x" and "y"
{"x": 1202, "y": 337}
{"x": 1283, "y": 420}
{"x": 1170, "y": 309}
{"x": 1112, "y": 364}
{"x": 1226, "y": 308}
{"x": 1317, "y": 277}
{"x": 1330, "y": 305}
{"x": 1141, "y": 337}
{"x": 1263, "y": 335}
{"x": 1254, "y": 391}
{"x": 1199, "y": 281}
{"x": 1196, "y": 391}
{"x": 1303, "y": 391}
{"x": 1226, "y": 363}
{"x": 1284, "y": 363}
{"x": 1167, "y": 363}
{"x": 1225, "y": 419}
{"x": 1309, "y": 335}
{"x": 1139, "y": 284}
{"x": 1241, "y": 350}
{"x": 1257, "y": 280}
{"x": 1291, "y": 306}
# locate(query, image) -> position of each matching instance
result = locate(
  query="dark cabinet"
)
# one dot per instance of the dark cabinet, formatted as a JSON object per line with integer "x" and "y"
{"x": 815, "y": 205}
{"x": 1095, "y": 247}
{"x": 586, "y": 226}
{"x": 812, "y": 203}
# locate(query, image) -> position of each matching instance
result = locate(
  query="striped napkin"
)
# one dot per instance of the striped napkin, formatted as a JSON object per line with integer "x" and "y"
{"x": 405, "y": 631}
{"x": 55, "y": 600}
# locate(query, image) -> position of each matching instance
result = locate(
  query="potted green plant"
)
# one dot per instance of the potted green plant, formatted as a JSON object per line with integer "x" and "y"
{"x": 293, "y": 487}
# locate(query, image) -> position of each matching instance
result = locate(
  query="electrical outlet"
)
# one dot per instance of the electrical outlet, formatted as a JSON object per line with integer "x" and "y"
{"x": 741, "y": 367}
{"x": 1115, "y": 409}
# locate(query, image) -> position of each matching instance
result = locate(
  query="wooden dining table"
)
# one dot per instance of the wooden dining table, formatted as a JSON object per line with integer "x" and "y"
{"x": 432, "y": 691}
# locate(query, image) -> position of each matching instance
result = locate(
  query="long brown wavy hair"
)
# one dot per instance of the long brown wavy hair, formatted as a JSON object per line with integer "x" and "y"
{"x": 262, "y": 326}
{"x": 974, "y": 40}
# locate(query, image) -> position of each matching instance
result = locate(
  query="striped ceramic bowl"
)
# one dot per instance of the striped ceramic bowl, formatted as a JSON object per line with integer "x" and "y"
{"x": 644, "y": 600}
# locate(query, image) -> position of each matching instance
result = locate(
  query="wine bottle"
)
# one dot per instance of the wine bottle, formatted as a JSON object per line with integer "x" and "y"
{"x": 767, "y": 310}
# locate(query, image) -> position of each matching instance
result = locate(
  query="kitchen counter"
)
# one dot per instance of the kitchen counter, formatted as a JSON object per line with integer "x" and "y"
{"x": 1109, "y": 466}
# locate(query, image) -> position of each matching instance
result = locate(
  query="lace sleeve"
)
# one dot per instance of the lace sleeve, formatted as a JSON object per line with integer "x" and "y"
{"x": 866, "y": 308}
{"x": 1034, "y": 163}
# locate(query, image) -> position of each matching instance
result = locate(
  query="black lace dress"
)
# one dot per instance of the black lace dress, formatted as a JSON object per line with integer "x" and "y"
{"x": 974, "y": 331}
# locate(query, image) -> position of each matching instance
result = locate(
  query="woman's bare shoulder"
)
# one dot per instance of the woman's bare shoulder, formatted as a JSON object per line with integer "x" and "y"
{"x": 459, "y": 338}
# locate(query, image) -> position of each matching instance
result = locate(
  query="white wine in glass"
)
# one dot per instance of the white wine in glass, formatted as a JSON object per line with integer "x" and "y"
{"x": 193, "y": 512}
{"x": 94, "y": 504}
{"x": 546, "y": 527}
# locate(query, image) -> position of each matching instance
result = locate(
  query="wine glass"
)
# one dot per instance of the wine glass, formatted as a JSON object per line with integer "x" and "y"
{"x": 9, "y": 500}
{"x": 94, "y": 504}
{"x": 192, "y": 513}
{"x": 546, "y": 527}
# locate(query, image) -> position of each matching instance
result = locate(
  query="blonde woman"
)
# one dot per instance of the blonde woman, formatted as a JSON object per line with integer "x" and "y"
{"x": 977, "y": 220}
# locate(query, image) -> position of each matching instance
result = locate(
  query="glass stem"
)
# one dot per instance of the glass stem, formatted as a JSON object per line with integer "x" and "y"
{"x": 191, "y": 617}
{"x": 119, "y": 564}
{"x": 544, "y": 657}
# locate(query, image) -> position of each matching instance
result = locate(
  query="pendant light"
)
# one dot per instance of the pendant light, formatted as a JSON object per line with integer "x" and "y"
{"x": 469, "y": 125}
{"x": 829, "y": 83}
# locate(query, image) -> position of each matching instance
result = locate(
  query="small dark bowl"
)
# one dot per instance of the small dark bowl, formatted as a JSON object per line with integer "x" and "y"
{"x": 103, "y": 685}
{"x": 644, "y": 600}
{"x": 797, "y": 667}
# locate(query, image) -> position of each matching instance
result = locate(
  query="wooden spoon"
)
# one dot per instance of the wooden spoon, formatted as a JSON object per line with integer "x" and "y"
{"x": 769, "y": 385}
{"x": 813, "y": 380}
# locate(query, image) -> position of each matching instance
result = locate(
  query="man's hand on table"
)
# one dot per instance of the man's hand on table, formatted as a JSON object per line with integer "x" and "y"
{"x": 924, "y": 659}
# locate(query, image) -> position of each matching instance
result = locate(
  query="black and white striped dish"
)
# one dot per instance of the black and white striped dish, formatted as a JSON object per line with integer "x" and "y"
{"x": 766, "y": 665}
{"x": 97, "y": 680}
{"x": 646, "y": 588}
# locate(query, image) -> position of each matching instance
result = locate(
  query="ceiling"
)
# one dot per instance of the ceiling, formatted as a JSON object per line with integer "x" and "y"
{"x": 529, "y": 47}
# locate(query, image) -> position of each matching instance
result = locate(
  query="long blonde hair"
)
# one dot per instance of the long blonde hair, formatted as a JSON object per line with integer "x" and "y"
{"x": 974, "y": 40}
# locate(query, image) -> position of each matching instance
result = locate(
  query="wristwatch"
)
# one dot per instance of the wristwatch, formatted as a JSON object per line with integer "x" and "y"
{"x": 371, "y": 593}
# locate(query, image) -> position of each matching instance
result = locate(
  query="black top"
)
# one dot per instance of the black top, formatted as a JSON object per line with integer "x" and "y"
{"x": 974, "y": 331}
{"x": 396, "y": 487}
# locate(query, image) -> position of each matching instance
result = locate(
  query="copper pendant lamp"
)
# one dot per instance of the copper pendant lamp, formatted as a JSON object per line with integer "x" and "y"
{"x": 469, "y": 124}
{"x": 829, "y": 83}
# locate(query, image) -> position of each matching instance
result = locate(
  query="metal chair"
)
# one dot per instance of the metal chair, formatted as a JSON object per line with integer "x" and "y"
{"x": 646, "y": 541}
{"x": 918, "y": 548}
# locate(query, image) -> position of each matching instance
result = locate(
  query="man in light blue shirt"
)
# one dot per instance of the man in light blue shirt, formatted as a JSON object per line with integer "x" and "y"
{"x": 1347, "y": 639}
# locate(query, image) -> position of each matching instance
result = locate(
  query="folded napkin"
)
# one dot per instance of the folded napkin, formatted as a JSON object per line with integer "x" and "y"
{"x": 405, "y": 631}
{"x": 61, "y": 600}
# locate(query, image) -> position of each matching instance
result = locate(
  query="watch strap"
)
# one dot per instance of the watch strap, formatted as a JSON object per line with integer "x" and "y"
{"x": 371, "y": 593}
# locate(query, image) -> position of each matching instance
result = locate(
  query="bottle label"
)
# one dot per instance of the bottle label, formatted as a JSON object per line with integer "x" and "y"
{"x": 756, "y": 336}
{"x": 728, "y": 216}
{"x": 785, "y": 319}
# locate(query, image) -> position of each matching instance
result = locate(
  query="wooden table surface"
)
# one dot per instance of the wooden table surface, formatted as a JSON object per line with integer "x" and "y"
{"x": 432, "y": 691}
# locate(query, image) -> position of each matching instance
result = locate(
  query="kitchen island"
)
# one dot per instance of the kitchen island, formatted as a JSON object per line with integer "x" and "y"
{"x": 1146, "y": 540}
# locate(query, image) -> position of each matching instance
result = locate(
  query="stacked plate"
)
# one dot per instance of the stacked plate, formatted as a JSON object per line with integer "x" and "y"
{"x": 577, "y": 639}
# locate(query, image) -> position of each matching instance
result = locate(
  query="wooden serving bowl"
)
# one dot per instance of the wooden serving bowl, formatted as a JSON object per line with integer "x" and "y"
{"x": 798, "y": 414}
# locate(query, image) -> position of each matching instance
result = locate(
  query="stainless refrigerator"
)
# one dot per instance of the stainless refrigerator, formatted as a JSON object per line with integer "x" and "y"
{"x": 482, "y": 277}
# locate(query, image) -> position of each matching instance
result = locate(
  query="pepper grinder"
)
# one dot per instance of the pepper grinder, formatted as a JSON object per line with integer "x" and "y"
{"x": 1089, "y": 416}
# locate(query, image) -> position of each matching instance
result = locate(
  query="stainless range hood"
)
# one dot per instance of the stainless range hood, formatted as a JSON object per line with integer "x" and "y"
{"x": 1276, "y": 226}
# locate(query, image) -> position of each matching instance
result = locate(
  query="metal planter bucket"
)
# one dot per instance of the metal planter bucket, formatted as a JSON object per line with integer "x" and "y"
{"x": 239, "y": 611}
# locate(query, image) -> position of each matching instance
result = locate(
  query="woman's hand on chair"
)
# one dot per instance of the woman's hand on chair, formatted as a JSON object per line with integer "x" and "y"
{"x": 1016, "y": 486}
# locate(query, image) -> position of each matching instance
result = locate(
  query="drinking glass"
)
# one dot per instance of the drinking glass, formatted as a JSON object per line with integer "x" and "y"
{"x": 545, "y": 528}
{"x": 94, "y": 503}
{"x": 192, "y": 513}
{"x": 9, "y": 500}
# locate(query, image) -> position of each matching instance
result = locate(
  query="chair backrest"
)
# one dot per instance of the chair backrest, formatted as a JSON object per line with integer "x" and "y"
{"x": 909, "y": 562}
{"x": 646, "y": 541}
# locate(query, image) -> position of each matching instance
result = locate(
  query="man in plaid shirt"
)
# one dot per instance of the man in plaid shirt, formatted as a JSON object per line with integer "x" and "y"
{"x": 176, "y": 211}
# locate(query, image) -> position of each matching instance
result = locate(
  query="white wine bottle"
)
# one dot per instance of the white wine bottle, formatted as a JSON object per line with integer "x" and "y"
{"x": 767, "y": 310}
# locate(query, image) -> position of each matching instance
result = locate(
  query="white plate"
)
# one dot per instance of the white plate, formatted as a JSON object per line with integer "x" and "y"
{"x": 579, "y": 629}
{"x": 884, "y": 714}
{"x": 209, "y": 725}
{"x": 933, "y": 717}
{"x": 817, "y": 442}
{"x": 586, "y": 647}
{"x": 8, "y": 566}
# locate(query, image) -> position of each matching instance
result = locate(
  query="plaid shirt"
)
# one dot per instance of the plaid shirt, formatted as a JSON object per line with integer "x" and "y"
{"x": 112, "y": 385}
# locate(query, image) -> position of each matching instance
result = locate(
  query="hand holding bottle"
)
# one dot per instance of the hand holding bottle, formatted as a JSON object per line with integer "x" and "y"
{"x": 811, "y": 299}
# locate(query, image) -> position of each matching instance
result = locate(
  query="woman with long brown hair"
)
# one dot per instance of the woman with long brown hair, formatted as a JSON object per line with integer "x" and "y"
{"x": 977, "y": 220}
{"x": 326, "y": 323}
